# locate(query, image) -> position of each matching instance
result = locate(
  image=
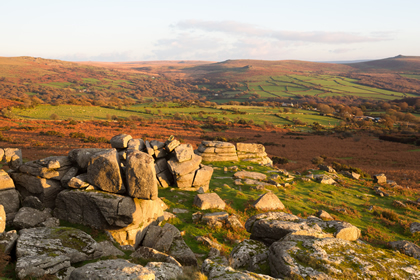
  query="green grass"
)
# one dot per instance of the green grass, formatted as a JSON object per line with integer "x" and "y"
{"x": 302, "y": 198}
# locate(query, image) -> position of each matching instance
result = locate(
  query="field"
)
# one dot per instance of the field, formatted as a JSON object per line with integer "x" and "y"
{"x": 297, "y": 86}
{"x": 228, "y": 113}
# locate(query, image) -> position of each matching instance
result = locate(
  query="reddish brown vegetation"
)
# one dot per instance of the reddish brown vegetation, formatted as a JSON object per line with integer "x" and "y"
{"x": 398, "y": 161}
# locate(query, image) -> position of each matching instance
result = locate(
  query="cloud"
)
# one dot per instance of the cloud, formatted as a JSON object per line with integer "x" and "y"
{"x": 250, "y": 30}
{"x": 221, "y": 40}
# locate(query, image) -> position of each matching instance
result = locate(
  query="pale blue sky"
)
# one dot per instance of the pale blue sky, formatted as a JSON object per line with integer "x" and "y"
{"x": 125, "y": 30}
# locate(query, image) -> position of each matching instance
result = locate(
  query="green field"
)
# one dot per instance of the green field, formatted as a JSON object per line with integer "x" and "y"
{"x": 290, "y": 86}
{"x": 224, "y": 113}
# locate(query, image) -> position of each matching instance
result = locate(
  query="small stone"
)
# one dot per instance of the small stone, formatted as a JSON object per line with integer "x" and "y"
{"x": 268, "y": 202}
{"x": 209, "y": 201}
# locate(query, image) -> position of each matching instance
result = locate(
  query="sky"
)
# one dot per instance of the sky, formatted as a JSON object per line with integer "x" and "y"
{"x": 129, "y": 30}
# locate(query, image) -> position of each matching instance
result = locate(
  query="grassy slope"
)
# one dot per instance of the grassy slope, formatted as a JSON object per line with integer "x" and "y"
{"x": 301, "y": 198}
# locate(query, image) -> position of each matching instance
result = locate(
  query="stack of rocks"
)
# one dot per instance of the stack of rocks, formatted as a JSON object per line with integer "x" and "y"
{"x": 253, "y": 152}
{"x": 223, "y": 151}
{"x": 113, "y": 189}
{"x": 217, "y": 151}
{"x": 187, "y": 170}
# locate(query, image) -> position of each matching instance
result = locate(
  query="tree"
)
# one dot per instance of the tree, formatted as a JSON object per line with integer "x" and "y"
{"x": 54, "y": 117}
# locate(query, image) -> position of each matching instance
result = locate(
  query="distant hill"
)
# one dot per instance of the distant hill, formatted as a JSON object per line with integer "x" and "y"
{"x": 399, "y": 63}
{"x": 244, "y": 69}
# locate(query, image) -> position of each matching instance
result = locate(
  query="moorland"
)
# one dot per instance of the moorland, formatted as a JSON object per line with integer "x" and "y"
{"x": 360, "y": 115}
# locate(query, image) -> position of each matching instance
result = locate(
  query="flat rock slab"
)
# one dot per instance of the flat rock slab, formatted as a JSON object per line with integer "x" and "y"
{"x": 250, "y": 175}
{"x": 209, "y": 201}
{"x": 95, "y": 208}
{"x": 112, "y": 270}
{"x": 268, "y": 202}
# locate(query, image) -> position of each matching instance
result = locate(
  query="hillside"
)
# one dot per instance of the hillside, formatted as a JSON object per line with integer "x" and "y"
{"x": 36, "y": 80}
{"x": 400, "y": 63}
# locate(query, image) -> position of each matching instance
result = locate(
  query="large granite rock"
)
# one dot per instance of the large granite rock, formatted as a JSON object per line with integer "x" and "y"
{"x": 28, "y": 217}
{"x": 141, "y": 176}
{"x": 120, "y": 141}
{"x": 43, "y": 251}
{"x": 96, "y": 209}
{"x": 118, "y": 269}
{"x": 11, "y": 202}
{"x": 6, "y": 182}
{"x": 184, "y": 152}
{"x": 300, "y": 256}
{"x": 272, "y": 226}
{"x": 45, "y": 189}
{"x": 104, "y": 172}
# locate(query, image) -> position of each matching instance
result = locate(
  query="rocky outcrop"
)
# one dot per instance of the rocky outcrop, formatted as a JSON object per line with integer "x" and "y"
{"x": 217, "y": 151}
{"x": 253, "y": 153}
